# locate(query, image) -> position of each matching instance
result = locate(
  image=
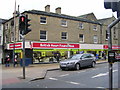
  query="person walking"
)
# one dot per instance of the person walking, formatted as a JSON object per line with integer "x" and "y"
{"x": 58, "y": 57}
{"x": 7, "y": 61}
{"x": 15, "y": 61}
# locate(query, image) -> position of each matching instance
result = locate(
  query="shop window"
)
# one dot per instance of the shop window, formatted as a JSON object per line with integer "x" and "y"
{"x": 43, "y": 35}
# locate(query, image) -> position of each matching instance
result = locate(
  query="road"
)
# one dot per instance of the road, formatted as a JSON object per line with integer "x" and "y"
{"x": 97, "y": 77}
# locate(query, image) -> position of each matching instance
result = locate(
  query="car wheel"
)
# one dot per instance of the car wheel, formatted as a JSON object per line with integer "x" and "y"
{"x": 77, "y": 66}
{"x": 93, "y": 64}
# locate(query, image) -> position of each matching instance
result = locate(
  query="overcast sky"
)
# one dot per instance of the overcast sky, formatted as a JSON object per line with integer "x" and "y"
{"x": 68, "y": 7}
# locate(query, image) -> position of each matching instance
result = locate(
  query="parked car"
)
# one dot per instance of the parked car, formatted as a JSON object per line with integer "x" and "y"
{"x": 77, "y": 61}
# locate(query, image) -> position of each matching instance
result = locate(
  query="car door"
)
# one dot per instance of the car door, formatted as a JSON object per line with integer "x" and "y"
{"x": 90, "y": 59}
{"x": 84, "y": 60}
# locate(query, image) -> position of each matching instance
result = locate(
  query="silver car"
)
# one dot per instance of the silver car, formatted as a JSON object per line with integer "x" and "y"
{"x": 77, "y": 61}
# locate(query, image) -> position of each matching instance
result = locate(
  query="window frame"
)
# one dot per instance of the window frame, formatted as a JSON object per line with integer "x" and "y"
{"x": 95, "y": 27}
{"x": 81, "y": 25}
{"x": 80, "y": 38}
{"x": 65, "y": 37}
{"x": 106, "y": 35}
{"x": 64, "y": 23}
{"x": 0, "y": 39}
{"x": 0, "y": 27}
{"x": 43, "y": 21}
{"x": 44, "y": 35}
{"x": 95, "y": 39}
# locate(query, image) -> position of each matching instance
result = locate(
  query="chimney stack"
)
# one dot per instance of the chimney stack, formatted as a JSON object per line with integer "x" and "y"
{"x": 58, "y": 10}
{"x": 47, "y": 8}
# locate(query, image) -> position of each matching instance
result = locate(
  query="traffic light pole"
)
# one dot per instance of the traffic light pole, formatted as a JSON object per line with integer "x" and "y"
{"x": 23, "y": 57}
{"x": 23, "y": 54}
{"x": 110, "y": 49}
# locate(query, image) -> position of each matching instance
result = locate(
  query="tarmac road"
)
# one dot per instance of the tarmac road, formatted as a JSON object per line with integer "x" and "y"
{"x": 97, "y": 77}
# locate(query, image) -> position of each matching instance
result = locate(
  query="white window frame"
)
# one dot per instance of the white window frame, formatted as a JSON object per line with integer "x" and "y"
{"x": 64, "y": 36}
{"x": 82, "y": 38}
{"x": 106, "y": 35}
{"x": 64, "y": 23}
{"x": 95, "y": 27}
{"x": 81, "y": 25}
{"x": 43, "y": 35}
{"x": 95, "y": 39}
{"x": 43, "y": 20}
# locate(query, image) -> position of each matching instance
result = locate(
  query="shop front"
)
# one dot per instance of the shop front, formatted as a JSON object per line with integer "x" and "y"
{"x": 46, "y": 52}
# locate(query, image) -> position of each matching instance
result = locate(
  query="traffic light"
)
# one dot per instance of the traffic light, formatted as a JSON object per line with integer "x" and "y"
{"x": 27, "y": 25}
{"x": 114, "y": 5}
{"x": 22, "y": 24}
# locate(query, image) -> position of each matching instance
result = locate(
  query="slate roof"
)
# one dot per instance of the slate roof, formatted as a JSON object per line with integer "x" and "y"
{"x": 60, "y": 16}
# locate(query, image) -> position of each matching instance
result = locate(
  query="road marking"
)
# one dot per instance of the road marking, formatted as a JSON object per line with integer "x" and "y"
{"x": 81, "y": 71}
{"x": 53, "y": 79}
{"x": 64, "y": 75}
{"x": 73, "y": 82}
{"x": 115, "y": 70}
{"x": 99, "y": 87}
{"x": 103, "y": 74}
{"x": 100, "y": 75}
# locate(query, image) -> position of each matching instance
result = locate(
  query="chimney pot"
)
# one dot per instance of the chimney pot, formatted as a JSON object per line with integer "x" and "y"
{"x": 47, "y": 8}
{"x": 58, "y": 10}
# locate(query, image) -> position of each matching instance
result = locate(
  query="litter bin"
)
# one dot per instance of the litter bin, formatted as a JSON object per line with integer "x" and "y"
{"x": 27, "y": 61}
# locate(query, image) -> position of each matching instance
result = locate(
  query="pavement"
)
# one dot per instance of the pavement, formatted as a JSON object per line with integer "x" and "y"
{"x": 33, "y": 72}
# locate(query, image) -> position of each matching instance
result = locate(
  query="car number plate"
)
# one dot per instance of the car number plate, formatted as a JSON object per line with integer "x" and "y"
{"x": 63, "y": 65}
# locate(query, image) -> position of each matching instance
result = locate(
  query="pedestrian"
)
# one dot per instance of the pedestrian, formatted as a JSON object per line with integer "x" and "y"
{"x": 15, "y": 61}
{"x": 7, "y": 61}
{"x": 58, "y": 56}
{"x": 97, "y": 56}
{"x": 104, "y": 56}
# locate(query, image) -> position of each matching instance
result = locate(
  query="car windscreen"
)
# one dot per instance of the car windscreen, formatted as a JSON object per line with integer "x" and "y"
{"x": 76, "y": 56}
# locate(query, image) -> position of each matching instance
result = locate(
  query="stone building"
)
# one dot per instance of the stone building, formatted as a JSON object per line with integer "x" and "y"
{"x": 53, "y": 32}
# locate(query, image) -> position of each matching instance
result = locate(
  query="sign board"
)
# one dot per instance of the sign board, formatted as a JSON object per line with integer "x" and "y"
{"x": 55, "y": 45}
{"x": 15, "y": 45}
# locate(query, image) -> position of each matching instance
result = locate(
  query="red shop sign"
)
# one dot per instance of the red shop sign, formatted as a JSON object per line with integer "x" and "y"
{"x": 15, "y": 45}
{"x": 113, "y": 47}
{"x": 55, "y": 45}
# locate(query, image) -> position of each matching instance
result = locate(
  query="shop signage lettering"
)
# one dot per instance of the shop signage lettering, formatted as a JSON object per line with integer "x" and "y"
{"x": 15, "y": 45}
{"x": 113, "y": 47}
{"x": 54, "y": 45}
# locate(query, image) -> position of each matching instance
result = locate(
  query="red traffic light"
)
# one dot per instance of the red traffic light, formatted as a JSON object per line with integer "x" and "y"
{"x": 22, "y": 19}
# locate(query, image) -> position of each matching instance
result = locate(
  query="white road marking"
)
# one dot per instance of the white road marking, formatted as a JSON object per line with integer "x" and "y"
{"x": 53, "y": 79}
{"x": 64, "y": 75}
{"x": 81, "y": 71}
{"x": 100, "y": 75}
{"x": 115, "y": 70}
{"x": 99, "y": 87}
{"x": 73, "y": 82}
